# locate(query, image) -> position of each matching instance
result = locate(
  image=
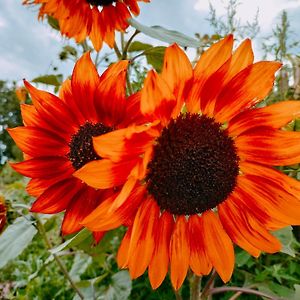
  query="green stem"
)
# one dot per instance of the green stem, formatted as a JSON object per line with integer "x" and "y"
{"x": 125, "y": 49}
{"x": 117, "y": 51}
{"x": 43, "y": 233}
{"x": 209, "y": 284}
{"x": 122, "y": 41}
{"x": 225, "y": 289}
{"x": 85, "y": 46}
{"x": 177, "y": 295}
{"x": 195, "y": 284}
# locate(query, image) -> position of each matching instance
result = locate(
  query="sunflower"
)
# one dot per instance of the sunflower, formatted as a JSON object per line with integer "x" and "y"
{"x": 97, "y": 19}
{"x": 57, "y": 138}
{"x": 206, "y": 176}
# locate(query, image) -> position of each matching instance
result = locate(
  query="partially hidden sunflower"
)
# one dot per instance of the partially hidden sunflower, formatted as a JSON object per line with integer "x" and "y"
{"x": 96, "y": 19}
{"x": 206, "y": 176}
{"x": 57, "y": 139}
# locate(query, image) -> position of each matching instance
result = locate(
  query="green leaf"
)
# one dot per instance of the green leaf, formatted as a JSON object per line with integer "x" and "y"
{"x": 53, "y": 22}
{"x": 15, "y": 239}
{"x": 74, "y": 241}
{"x": 89, "y": 288}
{"x": 242, "y": 258}
{"x": 55, "y": 80}
{"x": 80, "y": 264}
{"x": 120, "y": 287}
{"x": 155, "y": 57}
{"x": 138, "y": 46}
{"x": 166, "y": 35}
{"x": 287, "y": 240}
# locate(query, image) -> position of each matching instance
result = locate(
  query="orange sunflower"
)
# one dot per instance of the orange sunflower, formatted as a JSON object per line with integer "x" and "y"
{"x": 97, "y": 19}
{"x": 57, "y": 139}
{"x": 205, "y": 172}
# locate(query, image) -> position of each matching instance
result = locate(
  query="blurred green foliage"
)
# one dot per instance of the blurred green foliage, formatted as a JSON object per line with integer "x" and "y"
{"x": 10, "y": 116}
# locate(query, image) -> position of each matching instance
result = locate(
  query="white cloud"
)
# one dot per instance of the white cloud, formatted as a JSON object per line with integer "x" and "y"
{"x": 268, "y": 9}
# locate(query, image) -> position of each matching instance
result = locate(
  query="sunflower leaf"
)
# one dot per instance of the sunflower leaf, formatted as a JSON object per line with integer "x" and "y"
{"x": 165, "y": 35}
{"x": 119, "y": 288}
{"x": 15, "y": 239}
{"x": 138, "y": 46}
{"x": 287, "y": 240}
{"x": 155, "y": 57}
{"x": 74, "y": 241}
{"x": 55, "y": 80}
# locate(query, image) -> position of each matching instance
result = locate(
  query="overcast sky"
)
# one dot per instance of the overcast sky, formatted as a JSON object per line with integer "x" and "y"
{"x": 28, "y": 48}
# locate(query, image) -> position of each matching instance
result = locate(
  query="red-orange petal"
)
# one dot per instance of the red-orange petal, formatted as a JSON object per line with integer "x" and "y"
{"x": 57, "y": 197}
{"x": 218, "y": 244}
{"x": 110, "y": 97}
{"x": 213, "y": 58}
{"x": 37, "y": 142}
{"x": 158, "y": 266}
{"x": 104, "y": 174}
{"x": 241, "y": 58}
{"x": 52, "y": 111}
{"x": 44, "y": 167}
{"x": 122, "y": 255}
{"x": 177, "y": 72}
{"x": 245, "y": 89}
{"x": 179, "y": 252}
{"x": 81, "y": 205}
{"x": 85, "y": 81}
{"x": 199, "y": 261}
{"x": 271, "y": 197}
{"x": 262, "y": 146}
{"x": 249, "y": 226}
{"x": 274, "y": 116}
{"x": 142, "y": 238}
{"x": 157, "y": 98}
{"x": 124, "y": 143}
{"x": 102, "y": 220}
{"x": 237, "y": 227}
{"x": 97, "y": 29}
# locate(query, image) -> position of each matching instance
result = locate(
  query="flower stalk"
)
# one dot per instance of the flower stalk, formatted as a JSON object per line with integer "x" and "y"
{"x": 42, "y": 232}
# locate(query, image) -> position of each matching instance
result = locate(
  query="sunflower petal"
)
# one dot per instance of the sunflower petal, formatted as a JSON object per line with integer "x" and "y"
{"x": 274, "y": 116}
{"x": 104, "y": 174}
{"x": 57, "y": 197}
{"x": 44, "y": 167}
{"x": 199, "y": 261}
{"x": 179, "y": 252}
{"x": 245, "y": 89}
{"x": 219, "y": 246}
{"x": 37, "y": 142}
{"x": 110, "y": 97}
{"x": 262, "y": 146}
{"x": 158, "y": 266}
{"x": 102, "y": 220}
{"x": 142, "y": 238}
{"x": 177, "y": 72}
{"x": 85, "y": 80}
{"x": 157, "y": 98}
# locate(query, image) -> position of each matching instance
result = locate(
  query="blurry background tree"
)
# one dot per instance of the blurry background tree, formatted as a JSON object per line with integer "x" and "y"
{"x": 10, "y": 116}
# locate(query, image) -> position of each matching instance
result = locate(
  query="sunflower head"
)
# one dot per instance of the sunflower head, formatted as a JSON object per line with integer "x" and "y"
{"x": 57, "y": 139}
{"x": 96, "y": 19}
{"x": 203, "y": 175}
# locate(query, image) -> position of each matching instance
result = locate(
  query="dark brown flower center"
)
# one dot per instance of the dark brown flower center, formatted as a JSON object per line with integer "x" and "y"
{"x": 194, "y": 166}
{"x": 81, "y": 145}
{"x": 100, "y": 2}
